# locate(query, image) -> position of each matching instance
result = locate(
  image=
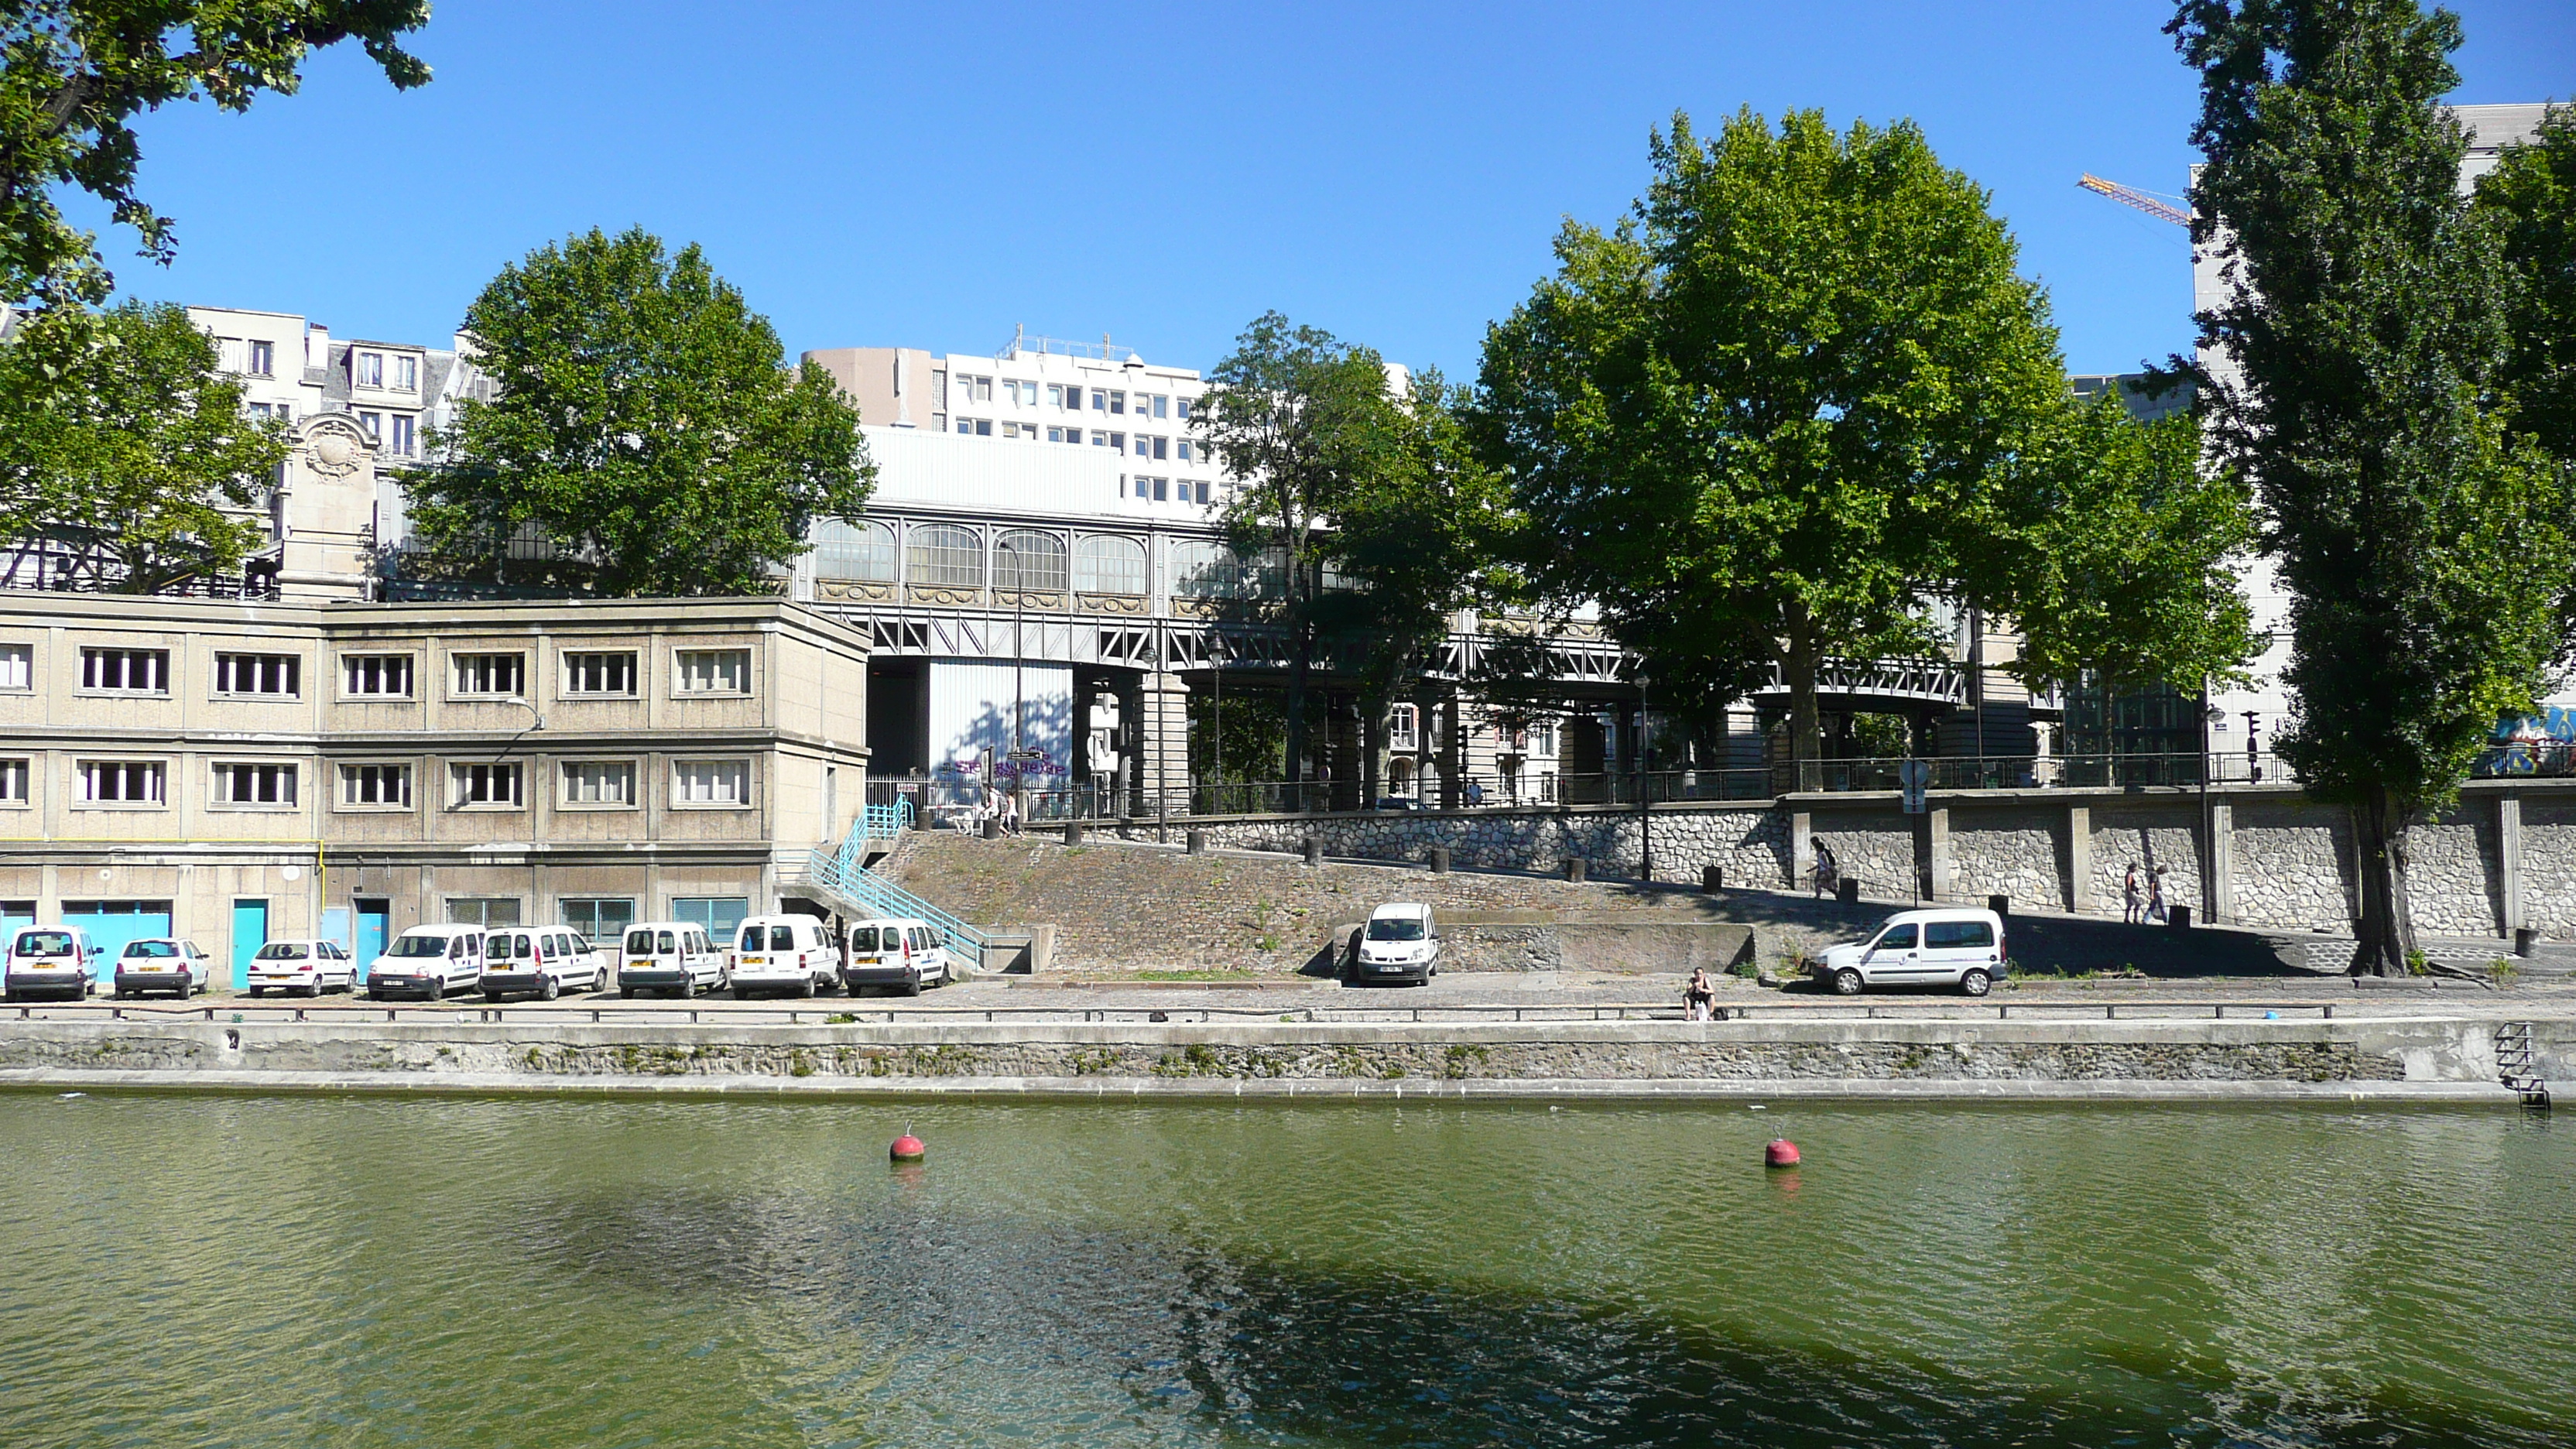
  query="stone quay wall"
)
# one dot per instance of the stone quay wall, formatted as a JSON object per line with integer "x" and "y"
{"x": 2502, "y": 858}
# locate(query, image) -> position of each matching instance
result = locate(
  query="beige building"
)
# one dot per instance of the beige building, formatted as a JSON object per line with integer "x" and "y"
{"x": 238, "y": 772}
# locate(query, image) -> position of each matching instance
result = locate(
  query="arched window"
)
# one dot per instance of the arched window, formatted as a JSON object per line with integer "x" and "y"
{"x": 1024, "y": 558}
{"x": 1104, "y": 563}
{"x": 862, "y": 551}
{"x": 945, "y": 556}
{"x": 1204, "y": 570}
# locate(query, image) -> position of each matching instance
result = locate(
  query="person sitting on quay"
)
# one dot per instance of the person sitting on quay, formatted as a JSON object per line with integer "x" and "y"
{"x": 1700, "y": 997}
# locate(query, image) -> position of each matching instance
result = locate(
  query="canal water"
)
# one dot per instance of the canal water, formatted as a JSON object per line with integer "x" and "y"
{"x": 296, "y": 1272}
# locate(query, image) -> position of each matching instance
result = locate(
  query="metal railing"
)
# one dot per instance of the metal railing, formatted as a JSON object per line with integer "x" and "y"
{"x": 836, "y": 872}
{"x": 888, "y": 821}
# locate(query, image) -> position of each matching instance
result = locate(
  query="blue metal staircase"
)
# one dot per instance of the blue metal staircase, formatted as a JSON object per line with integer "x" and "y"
{"x": 835, "y": 876}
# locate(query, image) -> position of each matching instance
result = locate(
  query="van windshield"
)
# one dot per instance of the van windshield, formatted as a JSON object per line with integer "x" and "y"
{"x": 1395, "y": 928}
{"x": 44, "y": 943}
{"x": 408, "y": 947}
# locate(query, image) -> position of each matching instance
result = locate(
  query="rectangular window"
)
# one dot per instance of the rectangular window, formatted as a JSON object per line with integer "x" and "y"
{"x": 407, "y": 374}
{"x": 273, "y": 674}
{"x": 1144, "y": 446}
{"x": 983, "y": 427}
{"x": 1162, "y": 447}
{"x": 1099, "y": 400}
{"x": 1184, "y": 450}
{"x": 380, "y": 675}
{"x": 405, "y": 440}
{"x": 126, "y": 671}
{"x": 983, "y": 389}
{"x": 965, "y": 428}
{"x": 374, "y": 423}
{"x": 1100, "y": 440}
{"x": 17, "y": 666}
{"x": 1162, "y": 489}
{"x": 720, "y": 915}
{"x": 14, "y": 779}
{"x": 255, "y": 784}
{"x": 371, "y": 369}
{"x": 1116, "y": 440}
{"x": 484, "y": 911}
{"x": 1055, "y": 395}
{"x": 496, "y": 786}
{"x": 263, "y": 359}
{"x": 1400, "y": 727}
{"x": 601, "y": 920}
{"x": 381, "y": 786}
{"x": 599, "y": 782}
{"x": 601, "y": 673}
{"x": 1159, "y": 401}
{"x": 124, "y": 782}
{"x": 711, "y": 782}
{"x": 1203, "y": 490}
{"x": 714, "y": 671}
{"x": 1117, "y": 400}
{"x": 502, "y": 674}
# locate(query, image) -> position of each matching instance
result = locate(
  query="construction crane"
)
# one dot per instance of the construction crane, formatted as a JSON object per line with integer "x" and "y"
{"x": 2152, "y": 205}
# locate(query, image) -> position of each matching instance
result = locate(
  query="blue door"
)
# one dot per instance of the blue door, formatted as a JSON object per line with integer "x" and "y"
{"x": 112, "y": 924}
{"x": 375, "y": 919}
{"x": 250, "y": 932}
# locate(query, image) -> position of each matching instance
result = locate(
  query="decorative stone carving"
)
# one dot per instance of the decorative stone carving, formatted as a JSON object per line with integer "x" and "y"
{"x": 1027, "y": 599}
{"x": 335, "y": 447}
{"x": 941, "y": 594}
{"x": 854, "y": 590}
{"x": 1133, "y": 604}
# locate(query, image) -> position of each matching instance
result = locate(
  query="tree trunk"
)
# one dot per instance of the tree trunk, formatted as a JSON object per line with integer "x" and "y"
{"x": 2387, "y": 928}
{"x": 1798, "y": 670}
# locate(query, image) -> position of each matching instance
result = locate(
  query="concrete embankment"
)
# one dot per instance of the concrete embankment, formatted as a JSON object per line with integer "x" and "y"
{"x": 2393, "y": 1057}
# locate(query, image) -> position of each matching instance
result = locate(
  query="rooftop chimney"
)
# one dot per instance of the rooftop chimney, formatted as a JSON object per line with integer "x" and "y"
{"x": 317, "y": 346}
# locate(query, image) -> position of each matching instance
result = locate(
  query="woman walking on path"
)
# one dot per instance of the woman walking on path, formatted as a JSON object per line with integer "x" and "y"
{"x": 2156, "y": 910}
{"x": 1829, "y": 874}
{"x": 2129, "y": 901}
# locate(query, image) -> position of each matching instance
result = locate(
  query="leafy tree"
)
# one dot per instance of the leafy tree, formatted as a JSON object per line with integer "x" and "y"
{"x": 1301, "y": 420}
{"x": 1755, "y": 420}
{"x": 2531, "y": 198}
{"x": 124, "y": 442}
{"x": 2365, "y": 341}
{"x": 75, "y": 73}
{"x": 643, "y": 425}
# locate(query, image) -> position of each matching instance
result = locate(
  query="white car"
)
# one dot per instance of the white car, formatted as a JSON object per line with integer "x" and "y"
{"x": 50, "y": 959}
{"x": 163, "y": 963}
{"x": 1950, "y": 946}
{"x": 539, "y": 961}
{"x": 786, "y": 953}
{"x": 1401, "y": 942}
{"x": 307, "y": 967}
{"x": 669, "y": 956}
{"x": 428, "y": 962}
{"x": 902, "y": 953}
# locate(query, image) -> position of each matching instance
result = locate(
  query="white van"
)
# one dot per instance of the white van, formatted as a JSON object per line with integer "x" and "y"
{"x": 783, "y": 953}
{"x": 899, "y": 952}
{"x": 537, "y": 961}
{"x": 428, "y": 962}
{"x": 669, "y": 956}
{"x": 1401, "y": 942}
{"x": 1948, "y": 946}
{"x": 303, "y": 964}
{"x": 50, "y": 958}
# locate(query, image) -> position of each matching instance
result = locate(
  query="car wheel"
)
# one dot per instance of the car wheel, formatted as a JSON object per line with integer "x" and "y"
{"x": 1976, "y": 982}
{"x": 187, "y": 987}
{"x": 548, "y": 988}
{"x": 1847, "y": 982}
{"x": 257, "y": 992}
{"x": 314, "y": 991}
{"x": 122, "y": 994}
{"x": 626, "y": 993}
{"x": 805, "y": 987}
{"x": 912, "y": 987}
{"x": 494, "y": 997}
{"x": 742, "y": 993}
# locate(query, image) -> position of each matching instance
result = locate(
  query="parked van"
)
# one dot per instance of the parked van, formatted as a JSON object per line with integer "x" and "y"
{"x": 54, "y": 959}
{"x": 899, "y": 952}
{"x": 674, "y": 957}
{"x": 1947, "y": 946}
{"x": 539, "y": 961}
{"x": 1401, "y": 942}
{"x": 428, "y": 962}
{"x": 783, "y": 953}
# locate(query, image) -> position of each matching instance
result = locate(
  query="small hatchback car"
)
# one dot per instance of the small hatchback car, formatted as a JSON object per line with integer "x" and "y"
{"x": 163, "y": 963}
{"x": 1950, "y": 946}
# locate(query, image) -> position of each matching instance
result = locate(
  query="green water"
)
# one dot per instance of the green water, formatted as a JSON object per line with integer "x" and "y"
{"x": 191, "y": 1271}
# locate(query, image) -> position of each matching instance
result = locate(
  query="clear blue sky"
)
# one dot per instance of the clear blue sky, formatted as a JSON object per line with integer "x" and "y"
{"x": 932, "y": 174}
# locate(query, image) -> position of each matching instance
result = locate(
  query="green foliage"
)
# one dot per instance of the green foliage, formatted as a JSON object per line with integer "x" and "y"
{"x": 2530, "y": 198}
{"x": 2426, "y": 552}
{"x": 119, "y": 436}
{"x": 1753, "y": 422}
{"x": 77, "y": 72}
{"x": 643, "y": 424}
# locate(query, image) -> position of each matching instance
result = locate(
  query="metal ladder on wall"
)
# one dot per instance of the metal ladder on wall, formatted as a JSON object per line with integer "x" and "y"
{"x": 2514, "y": 1066}
{"x": 835, "y": 876}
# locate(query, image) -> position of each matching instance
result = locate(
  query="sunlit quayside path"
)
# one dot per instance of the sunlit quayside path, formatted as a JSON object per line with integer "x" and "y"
{"x": 377, "y": 1272}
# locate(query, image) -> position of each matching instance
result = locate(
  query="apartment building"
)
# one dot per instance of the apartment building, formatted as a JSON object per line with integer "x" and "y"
{"x": 237, "y": 772}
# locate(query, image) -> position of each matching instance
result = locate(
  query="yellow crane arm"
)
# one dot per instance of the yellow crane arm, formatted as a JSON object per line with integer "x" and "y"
{"x": 2153, "y": 206}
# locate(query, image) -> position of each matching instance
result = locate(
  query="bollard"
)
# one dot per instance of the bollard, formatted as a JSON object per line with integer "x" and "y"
{"x": 1712, "y": 878}
{"x": 1847, "y": 891}
{"x": 1574, "y": 869}
{"x": 2181, "y": 918}
{"x": 1073, "y": 832}
{"x": 2000, "y": 905}
{"x": 1439, "y": 860}
{"x": 992, "y": 827}
{"x": 2524, "y": 938}
{"x": 1196, "y": 842}
{"x": 1314, "y": 845}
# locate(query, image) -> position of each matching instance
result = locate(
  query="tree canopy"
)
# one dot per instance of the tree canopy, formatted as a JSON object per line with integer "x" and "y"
{"x": 123, "y": 441}
{"x": 1771, "y": 415}
{"x": 645, "y": 434}
{"x": 2530, "y": 197}
{"x": 2365, "y": 343}
{"x": 74, "y": 74}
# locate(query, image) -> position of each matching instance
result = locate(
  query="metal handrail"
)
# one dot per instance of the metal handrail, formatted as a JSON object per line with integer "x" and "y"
{"x": 838, "y": 871}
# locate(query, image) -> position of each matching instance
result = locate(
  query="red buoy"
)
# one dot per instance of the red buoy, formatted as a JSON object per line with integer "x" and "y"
{"x": 908, "y": 1148}
{"x": 1780, "y": 1153}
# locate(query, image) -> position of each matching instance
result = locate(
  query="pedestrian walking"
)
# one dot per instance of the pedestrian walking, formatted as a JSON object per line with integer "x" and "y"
{"x": 2132, "y": 899}
{"x": 1829, "y": 871}
{"x": 2156, "y": 909}
{"x": 1011, "y": 812}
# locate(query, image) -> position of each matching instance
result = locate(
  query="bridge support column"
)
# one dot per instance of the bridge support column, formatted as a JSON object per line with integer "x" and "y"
{"x": 1162, "y": 775}
{"x": 1453, "y": 755}
{"x": 2220, "y": 890}
{"x": 2509, "y": 898}
{"x": 2079, "y": 859}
